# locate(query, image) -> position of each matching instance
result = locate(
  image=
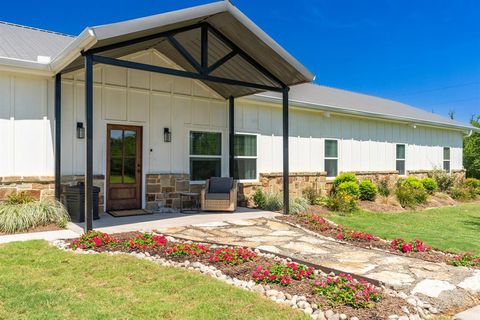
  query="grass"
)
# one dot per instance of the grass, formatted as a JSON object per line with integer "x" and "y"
{"x": 42, "y": 282}
{"x": 452, "y": 229}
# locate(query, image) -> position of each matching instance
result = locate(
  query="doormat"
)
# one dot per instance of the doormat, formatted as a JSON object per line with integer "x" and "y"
{"x": 128, "y": 213}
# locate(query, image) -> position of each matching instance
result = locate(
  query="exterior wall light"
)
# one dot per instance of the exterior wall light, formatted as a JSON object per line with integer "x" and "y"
{"x": 80, "y": 130}
{"x": 167, "y": 135}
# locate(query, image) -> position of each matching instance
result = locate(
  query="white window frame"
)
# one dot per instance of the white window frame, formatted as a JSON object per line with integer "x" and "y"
{"x": 331, "y": 158}
{"x": 449, "y": 160}
{"x": 190, "y": 156}
{"x": 400, "y": 159}
{"x": 248, "y": 157}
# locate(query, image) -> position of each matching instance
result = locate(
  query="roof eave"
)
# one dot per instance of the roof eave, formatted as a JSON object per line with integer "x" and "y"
{"x": 341, "y": 110}
{"x": 25, "y": 66}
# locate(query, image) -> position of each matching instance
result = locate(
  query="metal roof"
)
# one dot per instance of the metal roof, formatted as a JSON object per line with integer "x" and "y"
{"x": 229, "y": 22}
{"x": 26, "y": 43}
{"x": 314, "y": 96}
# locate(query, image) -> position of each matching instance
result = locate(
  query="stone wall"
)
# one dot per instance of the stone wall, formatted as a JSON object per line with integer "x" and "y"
{"x": 164, "y": 190}
{"x": 36, "y": 187}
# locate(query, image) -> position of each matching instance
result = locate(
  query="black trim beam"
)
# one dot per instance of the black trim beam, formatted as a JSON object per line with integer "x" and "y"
{"x": 180, "y": 73}
{"x": 231, "y": 137}
{"x": 286, "y": 195}
{"x": 89, "y": 142}
{"x": 221, "y": 62}
{"x": 184, "y": 52}
{"x": 247, "y": 57}
{"x": 58, "y": 135}
{"x": 130, "y": 42}
{"x": 204, "y": 48}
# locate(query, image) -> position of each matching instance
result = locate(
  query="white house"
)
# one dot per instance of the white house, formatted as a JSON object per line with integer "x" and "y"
{"x": 156, "y": 132}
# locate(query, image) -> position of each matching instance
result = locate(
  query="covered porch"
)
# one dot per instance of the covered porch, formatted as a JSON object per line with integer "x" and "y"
{"x": 215, "y": 44}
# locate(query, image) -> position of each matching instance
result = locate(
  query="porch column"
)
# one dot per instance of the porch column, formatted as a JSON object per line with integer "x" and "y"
{"x": 231, "y": 126}
{"x": 286, "y": 195}
{"x": 58, "y": 136}
{"x": 88, "y": 143}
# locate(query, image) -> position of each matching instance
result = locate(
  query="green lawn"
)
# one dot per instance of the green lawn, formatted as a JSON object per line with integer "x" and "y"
{"x": 38, "y": 281}
{"x": 455, "y": 229}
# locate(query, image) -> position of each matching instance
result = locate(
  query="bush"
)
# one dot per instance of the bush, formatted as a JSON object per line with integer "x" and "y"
{"x": 411, "y": 192}
{"x": 273, "y": 202}
{"x": 342, "y": 202}
{"x": 350, "y": 188}
{"x": 312, "y": 195}
{"x": 462, "y": 193}
{"x": 259, "y": 198}
{"x": 384, "y": 187}
{"x": 444, "y": 180}
{"x": 430, "y": 185}
{"x": 344, "y": 177}
{"x": 19, "y": 198}
{"x": 298, "y": 205}
{"x": 473, "y": 184}
{"x": 18, "y": 217}
{"x": 368, "y": 190}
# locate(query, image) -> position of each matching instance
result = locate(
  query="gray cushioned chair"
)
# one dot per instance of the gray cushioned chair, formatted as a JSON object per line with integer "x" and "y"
{"x": 220, "y": 194}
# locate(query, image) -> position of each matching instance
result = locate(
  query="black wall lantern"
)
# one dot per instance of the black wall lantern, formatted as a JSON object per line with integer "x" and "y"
{"x": 80, "y": 130}
{"x": 167, "y": 135}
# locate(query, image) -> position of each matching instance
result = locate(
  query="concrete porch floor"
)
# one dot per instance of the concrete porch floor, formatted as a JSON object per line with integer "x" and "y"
{"x": 146, "y": 223}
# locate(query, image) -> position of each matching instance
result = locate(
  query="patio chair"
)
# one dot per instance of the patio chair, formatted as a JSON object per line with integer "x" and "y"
{"x": 220, "y": 194}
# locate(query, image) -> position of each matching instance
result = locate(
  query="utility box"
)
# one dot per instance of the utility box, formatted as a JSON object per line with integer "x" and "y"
{"x": 75, "y": 202}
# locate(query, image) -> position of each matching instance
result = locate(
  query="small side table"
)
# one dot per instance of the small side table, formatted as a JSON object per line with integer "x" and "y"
{"x": 193, "y": 198}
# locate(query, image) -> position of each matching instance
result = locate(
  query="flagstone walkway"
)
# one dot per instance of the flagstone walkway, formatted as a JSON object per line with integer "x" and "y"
{"x": 441, "y": 285}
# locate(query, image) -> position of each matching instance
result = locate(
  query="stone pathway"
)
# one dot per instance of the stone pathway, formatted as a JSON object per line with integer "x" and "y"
{"x": 442, "y": 285}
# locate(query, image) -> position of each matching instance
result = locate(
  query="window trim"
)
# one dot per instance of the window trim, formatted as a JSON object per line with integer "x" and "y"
{"x": 400, "y": 159}
{"x": 449, "y": 159}
{"x": 330, "y": 158}
{"x": 238, "y": 133}
{"x": 190, "y": 156}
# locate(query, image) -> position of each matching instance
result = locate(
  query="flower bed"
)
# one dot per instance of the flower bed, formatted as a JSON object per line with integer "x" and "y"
{"x": 414, "y": 248}
{"x": 291, "y": 282}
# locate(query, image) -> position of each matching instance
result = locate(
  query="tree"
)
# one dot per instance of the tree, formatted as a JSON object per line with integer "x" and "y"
{"x": 471, "y": 150}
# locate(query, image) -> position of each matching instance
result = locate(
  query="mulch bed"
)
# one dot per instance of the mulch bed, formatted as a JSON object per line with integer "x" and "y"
{"x": 331, "y": 232}
{"x": 385, "y": 307}
{"x": 48, "y": 227}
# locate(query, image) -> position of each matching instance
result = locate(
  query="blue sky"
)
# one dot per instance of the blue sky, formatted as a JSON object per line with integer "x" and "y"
{"x": 425, "y": 53}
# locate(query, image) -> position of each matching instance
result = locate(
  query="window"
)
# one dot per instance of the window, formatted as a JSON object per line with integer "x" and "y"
{"x": 245, "y": 152}
{"x": 446, "y": 159}
{"x": 205, "y": 155}
{"x": 400, "y": 165}
{"x": 331, "y": 158}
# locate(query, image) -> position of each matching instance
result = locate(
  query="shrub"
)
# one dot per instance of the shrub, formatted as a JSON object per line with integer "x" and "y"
{"x": 21, "y": 216}
{"x": 412, "y": 246}
{"x": 19, "y": 198}
{"x": 384, "y": 187}
{"x": 259, "y": 198}
{"x": 429, "y": 184}
{"x": 233, "y": 256}
{"x": 273, "y": 202}
{"x": 298, "y": 205}
{"x": 356, "y": 236}
{"x": 368, "y": 190}
{"x": 410, "y": 192}
{"x": 342, "y": 202}
{"x": 282, "y": 273}
{"x": 344, "y": 177}
{"x": 445, "y": 181}
{"x": 312, "y": 195}
{"x": 462, "y": 193}
{"x": 93, "y": 240}
{"x": 473, "y": 184}
{"x": 350, "y": 188}
{"x": 344, "y": 290}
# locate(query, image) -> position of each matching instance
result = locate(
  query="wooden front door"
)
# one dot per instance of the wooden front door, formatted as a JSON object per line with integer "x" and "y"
{"x": 124, "y": 167}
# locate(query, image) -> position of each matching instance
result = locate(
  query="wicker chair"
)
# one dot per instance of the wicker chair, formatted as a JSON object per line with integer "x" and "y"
{"x": 220, "y": 194}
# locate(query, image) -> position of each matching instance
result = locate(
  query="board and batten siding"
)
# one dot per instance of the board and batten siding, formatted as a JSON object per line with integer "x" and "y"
{"x": 155, "y": 101}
